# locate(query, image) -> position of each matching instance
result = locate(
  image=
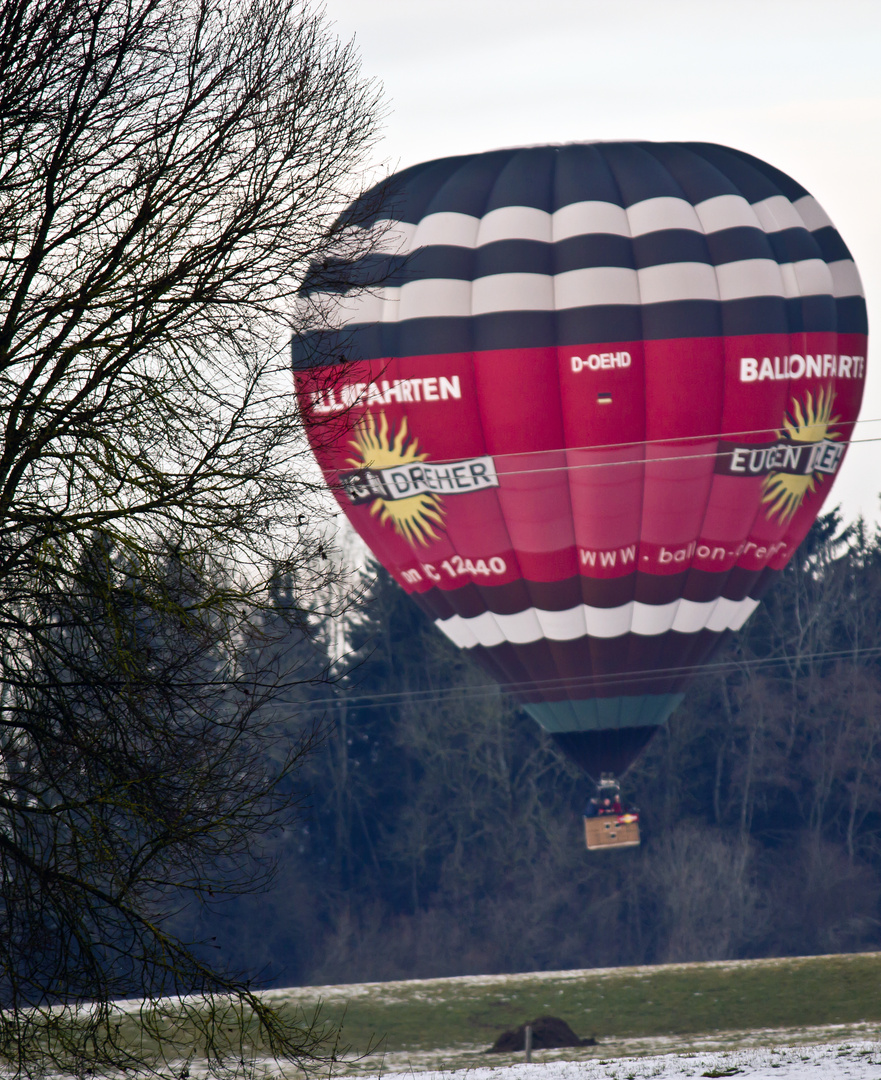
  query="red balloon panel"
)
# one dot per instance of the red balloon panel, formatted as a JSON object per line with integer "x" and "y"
{"x": 548, "y": 465}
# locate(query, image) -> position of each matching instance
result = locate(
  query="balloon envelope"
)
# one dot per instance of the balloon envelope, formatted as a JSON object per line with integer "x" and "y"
{"x": 590, "y": 406}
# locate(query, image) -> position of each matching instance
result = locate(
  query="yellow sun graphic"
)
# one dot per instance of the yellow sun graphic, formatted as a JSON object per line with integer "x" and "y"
{"x": 413, "y": 517}
{"x": 784, "y": 492}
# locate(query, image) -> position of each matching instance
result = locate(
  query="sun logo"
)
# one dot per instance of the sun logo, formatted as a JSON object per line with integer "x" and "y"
{"x": 785, "y": 492}
{"x": 413, "y": 518}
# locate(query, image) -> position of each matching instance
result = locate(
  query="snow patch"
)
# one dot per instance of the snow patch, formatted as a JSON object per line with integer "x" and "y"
{"x": 858, "y": 1060}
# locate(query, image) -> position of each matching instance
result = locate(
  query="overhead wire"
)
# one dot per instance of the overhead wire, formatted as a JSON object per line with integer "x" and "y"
{"x": 676, "y": 439}
{"x": 587, "y": 682}
{"x": 671, "y": 439}
{"x": 660, "y": 460}
{"x": 639, "y": 443}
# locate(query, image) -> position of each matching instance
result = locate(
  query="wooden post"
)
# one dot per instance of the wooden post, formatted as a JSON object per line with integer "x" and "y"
{"x": 527, "y": 1041}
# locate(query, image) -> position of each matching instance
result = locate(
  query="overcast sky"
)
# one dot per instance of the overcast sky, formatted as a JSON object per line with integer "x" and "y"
{"x": 796, "y": 82}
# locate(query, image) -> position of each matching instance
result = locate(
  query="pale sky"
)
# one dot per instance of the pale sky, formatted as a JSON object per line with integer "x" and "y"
{"x": 796, "y": 82}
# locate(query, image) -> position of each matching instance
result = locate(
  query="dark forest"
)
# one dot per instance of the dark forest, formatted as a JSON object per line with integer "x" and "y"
{"x": 441, "y": 831}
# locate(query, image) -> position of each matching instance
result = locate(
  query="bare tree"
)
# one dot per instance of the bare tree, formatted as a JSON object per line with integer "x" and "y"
{"x": 168, "y": 171}
{"x": 709, "y": 905}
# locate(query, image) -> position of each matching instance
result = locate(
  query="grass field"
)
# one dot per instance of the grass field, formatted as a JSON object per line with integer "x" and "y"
{"x": 441, "y": 1023}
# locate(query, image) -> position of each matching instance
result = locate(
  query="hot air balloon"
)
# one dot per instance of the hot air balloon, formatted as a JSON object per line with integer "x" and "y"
{"x": 589, "y": 405}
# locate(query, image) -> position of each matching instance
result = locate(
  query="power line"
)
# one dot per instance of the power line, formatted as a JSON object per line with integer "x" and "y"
{"x": 717, "y": 454}
{"x": 678, "y": 439}
{"x": 586, "y": 683}
{"x": 641, "y": 443}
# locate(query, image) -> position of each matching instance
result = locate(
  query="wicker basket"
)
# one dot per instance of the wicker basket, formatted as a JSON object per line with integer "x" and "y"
{"x": 610, "y": 831}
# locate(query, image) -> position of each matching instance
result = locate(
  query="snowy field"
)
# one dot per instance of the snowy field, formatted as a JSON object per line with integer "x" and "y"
{"x": 715, "y": 1019}
{"x": 859, "y": 1060}
{"x": 792, "y": 1017}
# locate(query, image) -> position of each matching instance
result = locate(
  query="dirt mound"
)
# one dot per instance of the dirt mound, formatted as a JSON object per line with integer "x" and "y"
{"x": 548, "y": 1033}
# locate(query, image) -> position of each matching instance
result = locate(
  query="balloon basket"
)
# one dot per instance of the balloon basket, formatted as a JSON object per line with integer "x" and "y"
{"x": 611, "y": 831}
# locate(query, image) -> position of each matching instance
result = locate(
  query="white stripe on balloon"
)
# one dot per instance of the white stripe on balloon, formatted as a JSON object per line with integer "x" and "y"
{"x": 594, "y": 286}
{"x": 451, "y": 229}
{"x": 646, "y": 620}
